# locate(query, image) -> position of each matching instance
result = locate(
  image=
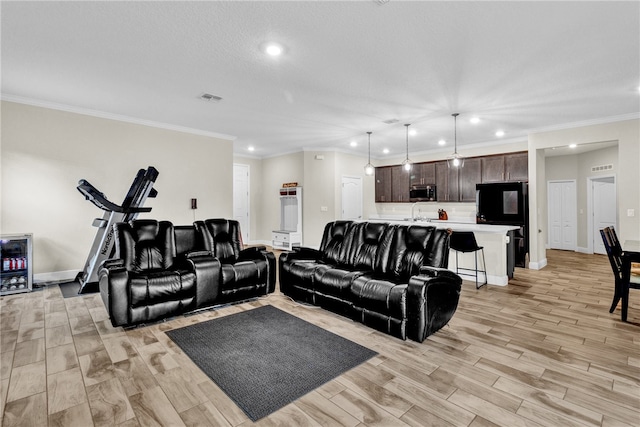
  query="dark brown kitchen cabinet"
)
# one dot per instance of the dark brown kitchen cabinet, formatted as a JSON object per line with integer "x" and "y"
{"x": 468, "y": 177}
{"x": 492, "y": 169}
{"x": 505, "y": 167}
{"x": 399, "y": 184}
{"x": 447, "y": 182}
{"x": 516, "y": 167}
{"x": 423, "y": 174}
{"x": 383, "y": 184}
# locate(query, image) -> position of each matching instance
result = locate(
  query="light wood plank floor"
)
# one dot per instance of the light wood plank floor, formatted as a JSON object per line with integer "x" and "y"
{"x": 543, "y": 350}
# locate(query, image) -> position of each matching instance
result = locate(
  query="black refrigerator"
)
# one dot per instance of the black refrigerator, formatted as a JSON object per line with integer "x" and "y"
{"x": 506, "y": 203}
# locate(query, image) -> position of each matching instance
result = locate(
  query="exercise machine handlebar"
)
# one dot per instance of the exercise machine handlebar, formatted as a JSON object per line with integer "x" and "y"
{"x": 98, "y": 198}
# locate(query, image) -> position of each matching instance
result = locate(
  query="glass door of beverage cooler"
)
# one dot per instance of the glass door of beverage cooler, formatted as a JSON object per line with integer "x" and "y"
{"x": 16, "y": 274}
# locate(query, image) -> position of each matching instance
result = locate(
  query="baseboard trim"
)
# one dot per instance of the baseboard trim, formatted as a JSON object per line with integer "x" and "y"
{"x": 583, "y": 250}
{"x": 55, "y": 276}
{"x": 538, "y": 265}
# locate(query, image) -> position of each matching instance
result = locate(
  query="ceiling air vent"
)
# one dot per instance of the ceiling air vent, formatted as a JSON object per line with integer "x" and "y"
{"x": 601, "y": 168}
{"x": 210, "y": 98}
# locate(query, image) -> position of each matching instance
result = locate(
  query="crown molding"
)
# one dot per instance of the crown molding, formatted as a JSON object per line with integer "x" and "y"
{"x": 592, "y": 122}
{"x": 111, "y": 116}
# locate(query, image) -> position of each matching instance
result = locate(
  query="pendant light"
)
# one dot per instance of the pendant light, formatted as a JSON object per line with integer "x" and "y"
{"x": 455, "y": 160}
{"x": 406, "y": 165}
{"x": 369, "y": 169}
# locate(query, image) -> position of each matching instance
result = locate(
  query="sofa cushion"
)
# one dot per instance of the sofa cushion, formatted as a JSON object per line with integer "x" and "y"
{"x": 407, "y": 252}
{"x": 242, "y": 273}
{"x": 162, "y": 286}
{"x": 381, "y": 296}
{"x": 364, "y": 241}
{"x": 334, "y": 281}
{"x": 333, "y": 245}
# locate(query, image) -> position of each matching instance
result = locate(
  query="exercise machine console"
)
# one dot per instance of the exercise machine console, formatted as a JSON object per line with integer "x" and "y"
{"x": 103, "y": 246}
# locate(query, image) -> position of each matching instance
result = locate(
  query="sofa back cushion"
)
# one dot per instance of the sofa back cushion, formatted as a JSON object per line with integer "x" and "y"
{"x": 438, "y": 253}
{"x": 222, "y": 238}
{"x": 364, "y": 241}
{"x": 145, "y": 244}
{"x": 333, "y": 245}
{"x": 406, "y": 252}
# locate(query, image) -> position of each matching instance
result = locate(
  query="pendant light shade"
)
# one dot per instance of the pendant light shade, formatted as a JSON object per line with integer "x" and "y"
{"x": 369, "y": 169}
{"x": 455, "y": 160}
{"x": 406, "y": 164}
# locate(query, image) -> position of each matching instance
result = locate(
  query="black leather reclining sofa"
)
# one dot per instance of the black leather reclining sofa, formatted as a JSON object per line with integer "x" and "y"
{"x": 392, "y": 278}
{"x": 162, "y": 270}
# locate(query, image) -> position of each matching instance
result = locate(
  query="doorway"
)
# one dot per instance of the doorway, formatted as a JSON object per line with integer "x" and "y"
{"x": 241, "y": 199}
{"x": 562, "y": 205}
{"x": 352, "y": 197}
{"x": 602, "y": 203}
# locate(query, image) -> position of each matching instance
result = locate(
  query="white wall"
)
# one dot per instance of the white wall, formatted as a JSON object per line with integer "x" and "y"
{"x": 275, "y": 172}
{"x": 45, "y": 152}
{"x": 578, "y": 167}
{"x": 255, "y": 195}
{"x": 627, "y": 134}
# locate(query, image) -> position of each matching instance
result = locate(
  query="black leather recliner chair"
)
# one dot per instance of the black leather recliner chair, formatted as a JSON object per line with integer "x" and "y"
{"x": 245, "y": 273}
{"x": 150, "y": 279}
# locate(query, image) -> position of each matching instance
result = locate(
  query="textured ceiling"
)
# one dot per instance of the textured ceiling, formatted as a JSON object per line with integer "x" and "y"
{"x": 347, "y": 67}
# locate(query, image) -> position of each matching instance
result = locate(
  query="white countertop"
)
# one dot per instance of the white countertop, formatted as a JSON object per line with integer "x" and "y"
{"x": 455, "y": 226}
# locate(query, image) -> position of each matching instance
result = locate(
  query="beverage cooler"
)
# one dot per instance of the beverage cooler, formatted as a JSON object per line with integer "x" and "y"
{"x": 16, "y": 252}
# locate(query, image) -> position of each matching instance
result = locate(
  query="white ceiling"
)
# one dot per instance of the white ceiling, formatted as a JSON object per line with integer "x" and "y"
{"x": 348, "y": 67}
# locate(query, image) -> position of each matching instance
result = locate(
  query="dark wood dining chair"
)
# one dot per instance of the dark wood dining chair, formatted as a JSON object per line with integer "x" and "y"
{"x": 621, "y": 266}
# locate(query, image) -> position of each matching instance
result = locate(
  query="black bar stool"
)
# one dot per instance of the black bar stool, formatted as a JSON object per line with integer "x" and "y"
{"x": 465, "y": 241}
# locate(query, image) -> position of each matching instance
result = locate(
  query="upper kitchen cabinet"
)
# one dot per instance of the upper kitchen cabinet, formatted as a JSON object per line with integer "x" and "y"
{"x": 423, "y": 174}
{"x": 505, "y": 167}
{"x": 492, "y": 168}
{"x": 447, "y": 182}
{"x": 468, "y": 177}
{"x": 383, "y": 184}
{"x": 516, "y": 167}
{"x": 399, "y": 184}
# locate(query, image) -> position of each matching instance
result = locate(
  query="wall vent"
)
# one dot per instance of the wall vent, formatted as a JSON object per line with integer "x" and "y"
{"x": 210, "y": 98}
{"x": 602, "y": 168}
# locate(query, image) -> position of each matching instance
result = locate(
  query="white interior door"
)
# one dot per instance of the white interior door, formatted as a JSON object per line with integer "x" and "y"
{"x": 604, "y": 208}
{"x": 562, "y": 214}
{"x": 352, "y": 197}
{"x": 555, "y": 215}
{"x": 241, "y": 199}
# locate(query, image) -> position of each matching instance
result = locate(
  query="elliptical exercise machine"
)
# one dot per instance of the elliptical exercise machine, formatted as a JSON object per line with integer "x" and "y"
{"x": 103, "y": 246}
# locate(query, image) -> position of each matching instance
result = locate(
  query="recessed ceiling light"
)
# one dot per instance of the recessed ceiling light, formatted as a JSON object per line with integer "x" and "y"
{"x": 442, "y": 142}
{"x": 385, "y": 151}
{"x": 573, "y": 145}
{"x": 413, "y": 132}
{"x": 500, "y": 133}
{"x": 353, "y": 144}
{"x": 474, "y": 120}
{"x": 251, "y": 148}
{"x": 273, "y": 49}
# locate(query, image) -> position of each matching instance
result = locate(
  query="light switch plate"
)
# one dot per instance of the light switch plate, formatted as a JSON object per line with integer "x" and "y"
{"x": 631, "y": 212}
{"x": 323, "y": 208}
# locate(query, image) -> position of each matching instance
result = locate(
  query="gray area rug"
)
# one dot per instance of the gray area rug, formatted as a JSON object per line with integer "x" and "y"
{"x": 265, "y": 358}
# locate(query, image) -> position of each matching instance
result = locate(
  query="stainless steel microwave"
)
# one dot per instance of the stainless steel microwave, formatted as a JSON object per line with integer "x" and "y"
{"x": 423, "y": 193}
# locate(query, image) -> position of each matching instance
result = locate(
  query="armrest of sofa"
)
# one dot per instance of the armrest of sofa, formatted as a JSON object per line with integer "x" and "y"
{"x": 431, "y": 302}
{"x": 302, "y": 253}
{"x": 252, "y": 253}
{"x": 113, "y": 280}
{"x": 438, "y": 272}
{"x": 207, "y": 271}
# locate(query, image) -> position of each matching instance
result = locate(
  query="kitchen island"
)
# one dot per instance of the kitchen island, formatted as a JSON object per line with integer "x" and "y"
{"x": 497, "y": 240}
